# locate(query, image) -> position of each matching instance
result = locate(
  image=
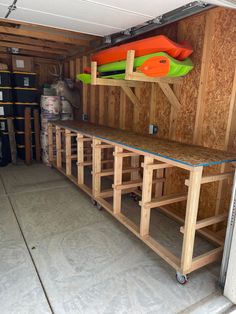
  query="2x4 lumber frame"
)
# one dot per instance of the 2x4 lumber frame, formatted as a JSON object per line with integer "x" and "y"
{"x": 191, "y": 218}
{"x": 157, "y": 166}
{"x": 107, "y": 82}
{"x": 50, "y": 142}
{"x": 97, "y": 167}
{"x": 203, "y": 223}
{"x": 128, "y": 91}
{"x": 118, "y": 164}
{"x": 134, "y": 183}
{"x": 12, "y": 139}
{"x": 187, "y": 262}
{"x": 37, "y": 134}
{"x": 68, "y": 152}
{"x": 165, "y": 200}
{"x": 28, "y": 137}
{"x": 146, "y": 197}
{"x": 80, "y": 159}
{"x": 214, "y": 177}
{"x": 58, "y": 147}
{"x": 136, "y": 76}
{"x": 205, "y": 233}
{"x": 43, "y": 35}
{"x": 31, "y": 47}
{"x": 125, "y": 154}
{"x": 206, "y": 258}
{"x": 36, "y": 42}
{"x": 159, "y": 186}
{"x": 110, "y": 172}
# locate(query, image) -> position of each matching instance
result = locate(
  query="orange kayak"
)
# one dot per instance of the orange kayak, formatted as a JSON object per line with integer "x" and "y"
{"x": 143, "y": 47}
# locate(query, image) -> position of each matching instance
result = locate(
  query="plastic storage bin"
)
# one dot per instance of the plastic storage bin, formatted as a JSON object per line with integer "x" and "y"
{"x": 6, "y": 109}
{"x": 24, "y": 79}
{"x": 21, "y": 151}
{"x": 20, "y": 138}
{"x": 3, "y": 124}
{"x": 5, "y": 78}
{"x": 6, "y": 94}
{"x": 19, "y": 108}
{"x": 19, "y": 123}
{"x": 25, "y": 94}
{"x": 5, "y": 151}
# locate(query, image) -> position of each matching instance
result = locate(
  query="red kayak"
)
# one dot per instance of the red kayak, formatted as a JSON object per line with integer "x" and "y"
{"x": 143, "y": 47}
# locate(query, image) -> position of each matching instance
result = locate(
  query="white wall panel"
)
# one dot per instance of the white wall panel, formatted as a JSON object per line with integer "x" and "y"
{"x": 62, "y": 22}
{"x": 97, "y": 17}
{"x": 148, "y": 7}
{"x": 85, "y": 11}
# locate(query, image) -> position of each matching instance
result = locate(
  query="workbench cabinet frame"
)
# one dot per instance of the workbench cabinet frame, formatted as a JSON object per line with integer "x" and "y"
{"x": 186, "y": 263}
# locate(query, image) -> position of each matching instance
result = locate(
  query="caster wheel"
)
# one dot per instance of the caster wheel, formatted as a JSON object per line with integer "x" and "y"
{"x": 136, "y": 198}
{"x": 93, "y": 202}
{"x": 182, "y": 279}
{"x": 99, "y": 206}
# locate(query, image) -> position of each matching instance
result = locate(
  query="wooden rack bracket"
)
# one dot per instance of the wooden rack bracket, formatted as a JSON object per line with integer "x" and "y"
{"x": 132, "y": 79}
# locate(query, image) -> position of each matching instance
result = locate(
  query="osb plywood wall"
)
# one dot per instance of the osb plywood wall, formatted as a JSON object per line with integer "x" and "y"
{"x": 206, "y": 117}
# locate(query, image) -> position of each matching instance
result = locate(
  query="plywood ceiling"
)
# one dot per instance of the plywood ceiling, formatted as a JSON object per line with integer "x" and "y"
{"x": 100, "y": 17}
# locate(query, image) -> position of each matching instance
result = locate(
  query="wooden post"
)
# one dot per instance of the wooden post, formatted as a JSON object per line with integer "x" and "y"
{"x": 129, "y": 64}
{"x": 118, "y": 164}
{"x": 97, "y": 158}
{"x": 191, "y": 218}
{"x": 37, "y": 135}
{"x": 146, "y": 196}
{"x": 12, "y": 139}
{"x": 159, "y": 185}
{"x": 80, "y": 159}
{"x": 58, "y": 146}
{"x": 50, "y": 142}
{"x": 68, "y": 152}
{"x": 93, "y": 73}
{"x": 135, "y": 164}
{"x": 28, "y": 136}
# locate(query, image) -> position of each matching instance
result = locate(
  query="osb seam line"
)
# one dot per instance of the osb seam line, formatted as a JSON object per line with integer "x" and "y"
{"x": 27, "y": 247}
{"x": 211, "y": 163}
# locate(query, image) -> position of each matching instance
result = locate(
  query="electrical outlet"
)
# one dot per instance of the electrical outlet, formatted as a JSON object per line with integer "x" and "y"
{"x": 153, "y": 129}
{"x": 85, "y": 117}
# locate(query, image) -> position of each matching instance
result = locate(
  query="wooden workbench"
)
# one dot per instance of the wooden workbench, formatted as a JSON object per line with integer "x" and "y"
{"x": 155, "y": 156}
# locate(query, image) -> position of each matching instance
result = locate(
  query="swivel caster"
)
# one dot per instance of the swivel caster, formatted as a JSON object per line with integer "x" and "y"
{"x": 182, "y": 279}
{"x": 99, "y": 206}
{"x": 93, "y": 202}
{"x": 136, "y": 198}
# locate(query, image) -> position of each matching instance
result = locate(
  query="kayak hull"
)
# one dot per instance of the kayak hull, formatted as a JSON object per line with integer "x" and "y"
{"x": 143, "y": 47}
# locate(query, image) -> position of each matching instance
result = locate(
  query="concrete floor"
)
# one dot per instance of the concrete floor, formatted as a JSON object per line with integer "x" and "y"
{"x": 67, "y": 257}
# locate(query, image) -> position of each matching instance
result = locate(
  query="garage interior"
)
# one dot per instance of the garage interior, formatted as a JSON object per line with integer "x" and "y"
{"x": 118, "y": 195}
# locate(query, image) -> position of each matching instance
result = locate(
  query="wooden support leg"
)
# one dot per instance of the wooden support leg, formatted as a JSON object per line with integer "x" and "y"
{"x": 146, "y": 197}
{"x": 159, "y": 185}
{"x": 28, "y": 137}
{"x": 135, "y": 164}
{"x": 37, "y": 135}
{"x": 58, "y": 146}
{"x": 80, "y": 159}
{"x": 190, "y": 219}
{"x": 97, "y": 158}
{"x": 12, "y": 139}
{"x": 68, "y": 152}
{"x": 118, "y": 164}
{"x": 50, "y": 142}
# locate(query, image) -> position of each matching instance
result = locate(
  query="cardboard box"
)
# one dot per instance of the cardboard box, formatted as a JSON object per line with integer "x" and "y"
{"x": 3, "y": 66}
{"x": 22, "y": 64}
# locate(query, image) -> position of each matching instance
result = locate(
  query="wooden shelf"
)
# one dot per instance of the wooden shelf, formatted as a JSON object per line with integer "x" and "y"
{"x": 133, "y": 79}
